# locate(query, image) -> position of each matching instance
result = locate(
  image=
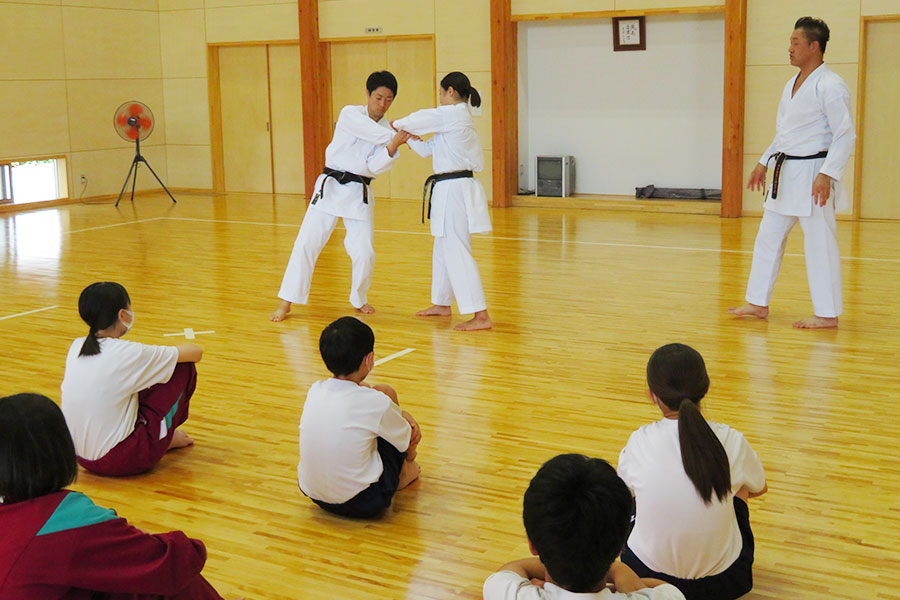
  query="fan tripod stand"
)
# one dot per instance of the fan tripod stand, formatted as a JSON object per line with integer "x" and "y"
{"x": 134, "y": 168}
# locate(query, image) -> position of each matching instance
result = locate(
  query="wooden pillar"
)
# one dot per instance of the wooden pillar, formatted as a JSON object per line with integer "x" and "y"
{"x": 315, "y": 71}
{"x": 505, "y": 103}
{"x": 733, "y": 121}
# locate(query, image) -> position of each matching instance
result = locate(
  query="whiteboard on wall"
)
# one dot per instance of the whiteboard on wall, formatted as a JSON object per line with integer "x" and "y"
{"x": 629, "y": 118}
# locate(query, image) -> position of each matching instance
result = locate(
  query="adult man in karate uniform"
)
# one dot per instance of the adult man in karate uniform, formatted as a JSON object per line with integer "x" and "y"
{"x": 363, "y": 146}
{"x": 813, "y": 140}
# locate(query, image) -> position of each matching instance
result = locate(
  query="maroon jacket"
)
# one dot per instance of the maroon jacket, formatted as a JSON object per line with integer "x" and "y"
{"x": 63, "y": 546}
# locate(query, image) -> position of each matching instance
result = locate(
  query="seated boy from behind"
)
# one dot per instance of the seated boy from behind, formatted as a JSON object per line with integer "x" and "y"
{"x": 577, "y": 514}
{"x": 356, "y": 446}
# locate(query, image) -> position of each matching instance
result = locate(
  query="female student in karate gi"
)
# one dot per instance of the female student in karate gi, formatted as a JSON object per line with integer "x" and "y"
{"x": 124, "y": 400}
{"x": 363, "y": 146}
{"x": 57, "y": 544}
{"x": 458, "y": 205}
{"x": 813, "y": 141}
{"x": 691, "y": 480}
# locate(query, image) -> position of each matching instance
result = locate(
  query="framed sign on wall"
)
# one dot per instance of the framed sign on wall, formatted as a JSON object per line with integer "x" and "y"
{"x": 629, "y": 33}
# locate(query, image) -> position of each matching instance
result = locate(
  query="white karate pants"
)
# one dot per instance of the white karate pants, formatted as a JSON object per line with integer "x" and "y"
{"x": 454, "y": 272}
{"x": 315, "y": 231}
{"x": 823, "y": 260}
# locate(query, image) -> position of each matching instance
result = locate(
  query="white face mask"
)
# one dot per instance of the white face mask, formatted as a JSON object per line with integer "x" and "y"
{"x": 128, "y": 326}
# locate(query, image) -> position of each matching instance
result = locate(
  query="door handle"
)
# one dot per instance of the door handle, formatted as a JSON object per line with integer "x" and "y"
{"x": 267, "y": 126}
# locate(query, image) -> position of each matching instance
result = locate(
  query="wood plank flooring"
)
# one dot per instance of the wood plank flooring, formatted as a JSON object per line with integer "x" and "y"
{"x": 580, "y": 299}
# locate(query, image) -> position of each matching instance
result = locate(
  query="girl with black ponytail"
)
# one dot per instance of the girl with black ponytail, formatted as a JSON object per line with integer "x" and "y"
{"x": 456, "y": 202}
{"x": 691, "y": 480}
{"x": 123, "y": 401}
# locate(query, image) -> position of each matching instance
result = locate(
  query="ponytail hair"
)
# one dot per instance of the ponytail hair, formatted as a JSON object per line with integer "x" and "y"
{"x": 99, "y": 306}
{"x": 677, "y": 376}
{"x": 459, "y": 82}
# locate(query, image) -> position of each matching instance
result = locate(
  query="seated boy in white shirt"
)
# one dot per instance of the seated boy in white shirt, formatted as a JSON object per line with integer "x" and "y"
{"x": 577, "y": 514}
{"x": 356, "y": 446}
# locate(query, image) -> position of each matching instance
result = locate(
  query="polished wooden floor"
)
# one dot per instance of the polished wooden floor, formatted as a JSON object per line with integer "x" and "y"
{"x": 580, "y": 300}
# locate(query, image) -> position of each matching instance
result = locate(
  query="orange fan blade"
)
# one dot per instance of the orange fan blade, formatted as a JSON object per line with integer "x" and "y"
{"x": 145, "y": 123}
{"x": 133, "y": 133}
{"x": 135, "y": 109}
{"x": 122, "y": 120}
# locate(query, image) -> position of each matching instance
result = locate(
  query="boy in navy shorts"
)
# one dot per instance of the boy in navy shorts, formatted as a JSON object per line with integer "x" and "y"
{"x": 357, "y": 447}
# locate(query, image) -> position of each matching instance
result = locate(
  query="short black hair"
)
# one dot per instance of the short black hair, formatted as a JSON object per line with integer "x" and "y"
{"x": 37, "y": 456}
{"x": 379, "y": 79}
{"x": 577, "y": 514}
{"x": 814, "y": 30}
{"x": 344, "y": 344}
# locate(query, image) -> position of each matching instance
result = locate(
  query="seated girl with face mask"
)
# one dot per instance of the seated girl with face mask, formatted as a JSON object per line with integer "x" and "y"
{"x": 123, "y": 401}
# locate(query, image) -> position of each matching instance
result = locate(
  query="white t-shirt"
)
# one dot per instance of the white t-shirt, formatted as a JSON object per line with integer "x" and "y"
{"x": 675, "y": 532}
{"x": 507, "y": 585}
{"x": 339, "y": 431}
{"x": 100, "y": 392}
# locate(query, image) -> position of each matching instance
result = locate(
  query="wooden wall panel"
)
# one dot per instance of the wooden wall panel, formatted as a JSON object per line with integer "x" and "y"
{"x": 243, "y": 76}
{"x": 111, "y": 44}
{"x": 187, "y": 111}
{"x": 285, "y": 98}
{"x": 35, "y": 121}
{"x": 880, "y": 142}
{"x": 261, "y": 23}
{"x": 36, "y": 42}
{"x": 412, "y": 62}
{"x": 344, "y": 19}
{"x": 183, "y": 43}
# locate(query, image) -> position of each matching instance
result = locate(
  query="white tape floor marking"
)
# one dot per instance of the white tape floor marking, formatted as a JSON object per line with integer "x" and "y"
{"x": 393, "y": 356}
{"x": 29, "y": 312}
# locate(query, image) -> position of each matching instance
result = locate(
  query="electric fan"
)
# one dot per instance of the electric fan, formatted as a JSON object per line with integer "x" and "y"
{"x": 134, "y": 122}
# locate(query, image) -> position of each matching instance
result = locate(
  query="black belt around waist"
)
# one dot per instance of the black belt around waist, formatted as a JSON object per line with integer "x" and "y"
{"x": 433, "y": 179}
{"x": 343, "y": 177}
{"x": 780, "y": 157}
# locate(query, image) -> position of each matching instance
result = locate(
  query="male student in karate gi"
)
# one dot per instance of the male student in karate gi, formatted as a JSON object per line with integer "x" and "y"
{"x": 813, "y": 140}
{"x": 363, "y": 146}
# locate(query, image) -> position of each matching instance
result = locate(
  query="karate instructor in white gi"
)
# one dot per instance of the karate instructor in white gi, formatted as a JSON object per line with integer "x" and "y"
{"x": 814, "y": 136}
{"x": 363, "y": 146}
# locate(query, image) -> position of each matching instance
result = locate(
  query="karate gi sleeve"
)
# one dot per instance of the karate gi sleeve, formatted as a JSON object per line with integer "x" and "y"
{"x": 394, "y": 428}
{"x": 147, "y": 365}
{"x": 747, "y": 469}
{"x": 836, "y": 104}
{"x": 380, "y": 161}
{"x": 764, "y": 161}
{"x": 423, "y": 148}
{"x": 425, "y": 121}
{"x": 361, "y": 126}
{"x": 115, "y": 557}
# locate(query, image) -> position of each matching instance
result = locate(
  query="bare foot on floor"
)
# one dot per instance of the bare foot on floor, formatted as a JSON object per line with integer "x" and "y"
{"x": 180, "y": 439}
{"x": 366, "y": 309}
{"x": 750, "y": 310}
{"x": 817, "y": 323}
{"x": 409, "y": 473}
{"x": 435, "y": 310}
{"x": 281, "y": 312}
{"x": 481, "y": 320}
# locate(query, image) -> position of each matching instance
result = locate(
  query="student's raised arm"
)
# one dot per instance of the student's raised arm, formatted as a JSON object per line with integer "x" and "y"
{"x": 359, "y": 124}
{"x": 425, "y": 121}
